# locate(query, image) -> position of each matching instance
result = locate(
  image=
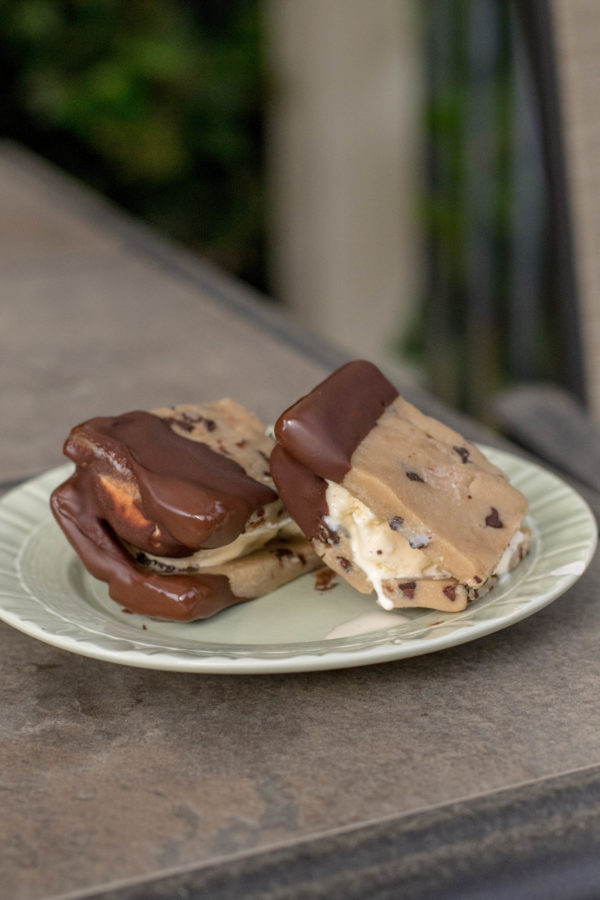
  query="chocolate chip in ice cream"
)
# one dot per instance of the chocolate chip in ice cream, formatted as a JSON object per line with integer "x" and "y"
{"x": 396, "y": 523}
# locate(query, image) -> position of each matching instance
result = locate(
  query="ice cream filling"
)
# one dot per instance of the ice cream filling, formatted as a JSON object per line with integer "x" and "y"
{"x": 262, "y": 527}
{"x": 379, "y": 550}
{"x": 505, "y": 563}
{"x": 383, "y": 551}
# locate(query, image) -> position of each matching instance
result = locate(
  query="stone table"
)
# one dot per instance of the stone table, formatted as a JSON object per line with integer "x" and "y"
{"x": 467, "y": 773}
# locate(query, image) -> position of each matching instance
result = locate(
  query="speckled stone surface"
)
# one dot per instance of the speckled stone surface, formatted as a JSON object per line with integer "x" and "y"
{"x": 109, "y": 773}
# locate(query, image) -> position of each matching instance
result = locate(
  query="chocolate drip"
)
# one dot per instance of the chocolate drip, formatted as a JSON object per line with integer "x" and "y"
{"x": 317, "y": 436}
{"x": 179, "y": 597}
{"x": 196, "y": 496}
{"x": 324, "y": 428}
{"x": 303, "y": 492}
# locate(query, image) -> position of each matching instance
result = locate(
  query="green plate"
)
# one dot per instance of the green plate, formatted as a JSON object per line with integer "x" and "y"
{"x": 46, "y": 593}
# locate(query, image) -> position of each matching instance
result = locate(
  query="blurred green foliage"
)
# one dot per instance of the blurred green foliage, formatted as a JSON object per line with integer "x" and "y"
{"x": 156, "y": 103}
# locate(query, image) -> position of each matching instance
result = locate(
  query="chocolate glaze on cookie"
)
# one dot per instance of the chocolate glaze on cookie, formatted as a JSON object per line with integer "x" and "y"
{"x": 317, "y": 436}
{"x": 192, "y": 496}
{"x": 324, "y": 428}
{"x": 178, "y": 597}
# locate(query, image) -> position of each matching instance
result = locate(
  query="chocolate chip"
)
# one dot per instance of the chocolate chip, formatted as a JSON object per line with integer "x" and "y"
{"x": 241, "y": 444}
{"x": 477, "y": 579}
{"x": 379, "y": 552}
{"x": 408, "y": 589}
{"x": 396, "y": 523}
{"x": 282, "y": 553}
{"x": 493, "y": 520}
{"x": 463, "y": 452}
{"x": 182, "y": 423}
{"x": 344, "y": 563}
{"x": 414, "y": 477}
{"x": 450, "y": 592}
{"x": 328, "y": 536}
{"x": 186, "y": 422}
{"x": 324, "y": 580}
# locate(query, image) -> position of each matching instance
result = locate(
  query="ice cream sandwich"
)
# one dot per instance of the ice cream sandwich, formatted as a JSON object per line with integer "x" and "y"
{"x": 176, "y": 509}
{"x": 393, "y": 500}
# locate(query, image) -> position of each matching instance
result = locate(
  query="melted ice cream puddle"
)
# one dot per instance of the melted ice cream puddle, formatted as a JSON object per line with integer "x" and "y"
{"x": 372, "y": 621}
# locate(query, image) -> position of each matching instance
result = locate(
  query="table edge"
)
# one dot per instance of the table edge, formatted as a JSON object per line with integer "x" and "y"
{"x": 146, "y": 241}
{"x": 538, "y": 839}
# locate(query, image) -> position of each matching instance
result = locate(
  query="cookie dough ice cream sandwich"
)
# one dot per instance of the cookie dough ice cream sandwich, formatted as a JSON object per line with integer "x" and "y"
{"x": 393, "y": 500}
{"x": 176, "y": 509}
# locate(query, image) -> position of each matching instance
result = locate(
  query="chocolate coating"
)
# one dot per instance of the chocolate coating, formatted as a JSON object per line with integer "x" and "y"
{"x": 304, "y": 491}
{"x": 197, "y": 497}
{"x": 323, "y": 429}
{"x": 317, "y": 436}
{"x": 178, "y": 597}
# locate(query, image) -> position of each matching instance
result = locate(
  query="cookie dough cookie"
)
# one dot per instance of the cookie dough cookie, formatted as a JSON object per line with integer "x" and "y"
{"x": 392, "y": 499}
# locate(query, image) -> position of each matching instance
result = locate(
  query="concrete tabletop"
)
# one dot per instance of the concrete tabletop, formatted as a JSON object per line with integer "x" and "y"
{"x": 441, "y": 774}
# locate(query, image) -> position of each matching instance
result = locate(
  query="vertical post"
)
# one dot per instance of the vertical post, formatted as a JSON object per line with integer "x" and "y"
{"x": 344, "y": 150}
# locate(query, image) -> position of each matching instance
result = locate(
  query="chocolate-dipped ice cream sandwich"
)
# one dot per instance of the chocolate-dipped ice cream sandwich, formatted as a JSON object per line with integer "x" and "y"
{"x": 177, "y": 511}
{"x": 392, "y": 499}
